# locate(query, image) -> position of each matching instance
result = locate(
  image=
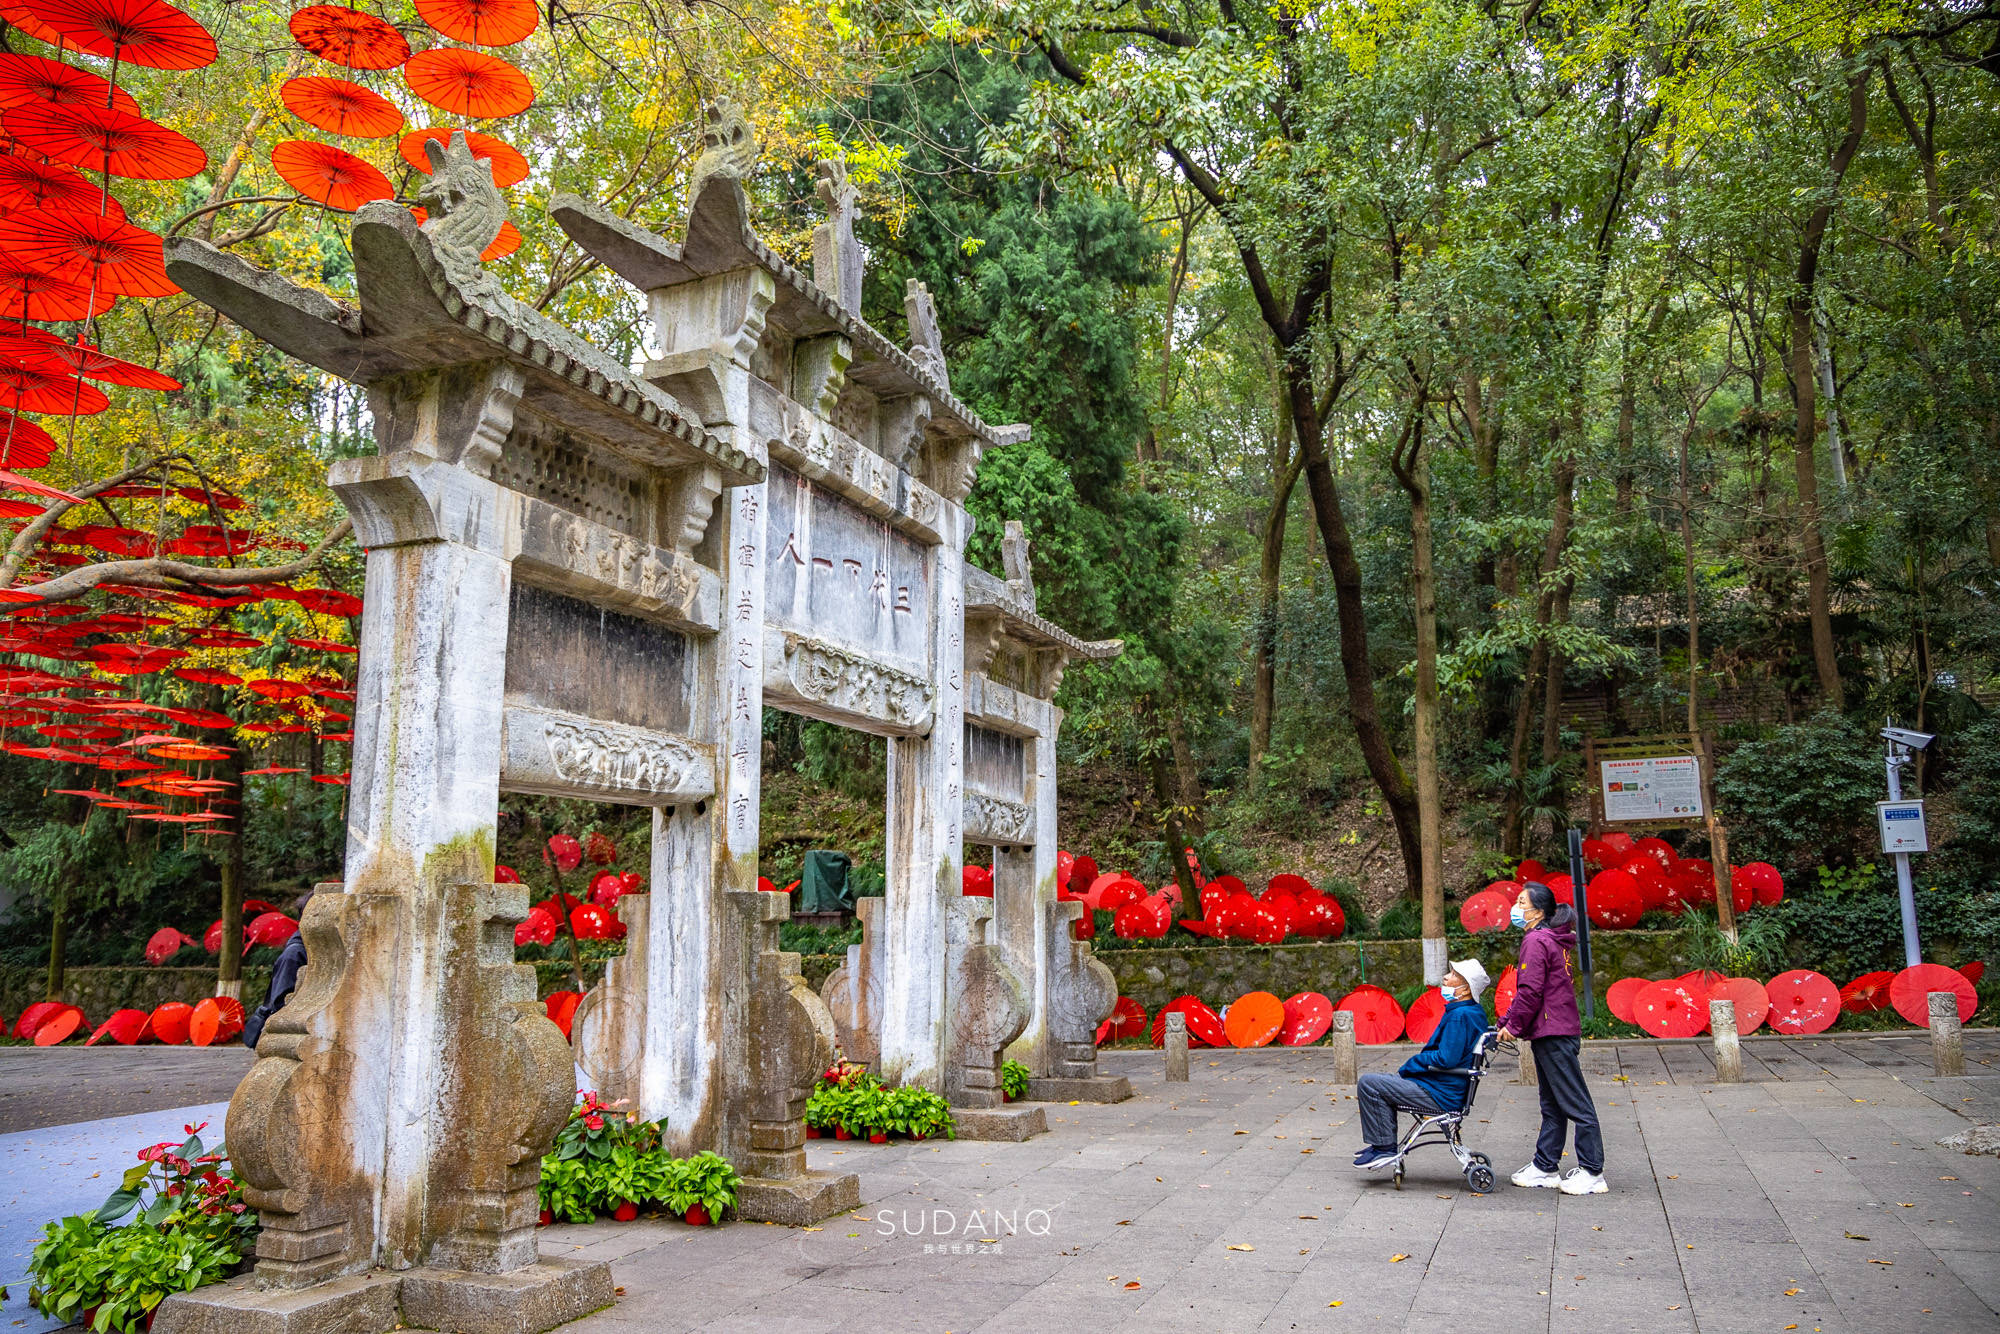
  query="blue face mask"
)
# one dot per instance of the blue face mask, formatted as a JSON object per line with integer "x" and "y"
{"x": 1517, "y": 917}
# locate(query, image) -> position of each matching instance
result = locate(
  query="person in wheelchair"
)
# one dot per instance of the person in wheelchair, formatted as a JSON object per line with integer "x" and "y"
{"x": 1424, "y": 1086}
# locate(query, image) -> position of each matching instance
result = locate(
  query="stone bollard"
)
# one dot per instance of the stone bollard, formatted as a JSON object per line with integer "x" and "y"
{"x": 1524, "y": 1053}
{"x": 1177, "y": 1062}
{"x": 1947, "y": 1043}
{"x": 1343, "y": 1047}
{"x": 1728, "y": 1047}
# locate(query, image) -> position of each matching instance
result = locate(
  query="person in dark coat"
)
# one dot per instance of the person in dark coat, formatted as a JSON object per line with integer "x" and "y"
{"x": 1424, "y": 1084}
{"x": 1544, "y": 1012}
{"x": 284, "y": 979}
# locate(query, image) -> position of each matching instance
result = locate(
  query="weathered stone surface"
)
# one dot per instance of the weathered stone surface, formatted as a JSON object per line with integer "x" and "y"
{"x": 1013, "y": 1122}
{"x": 1104, "y": 1088}
{"x": 1175, "y": 1044}
{"x": 989, "y": 1006}
{"x": 360, "y": 1304}
{"x": 1728, "y": 1048}
{"x": 853, "y": 991}
{"x": 608, "y": 1030}
{"x": 1947, "y": 1041}
{"x": 523, "y": 1301}
{"x": 1978, "y": 1139}
{"x": 1082, "y": 993}
{"x": 1341, "y": 1038}
{"x": 797, "y": 1200}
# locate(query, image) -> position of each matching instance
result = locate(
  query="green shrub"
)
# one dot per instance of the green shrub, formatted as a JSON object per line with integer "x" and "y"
{"x": 122, "y": 1272}
{"x": 1013, "y": 1078}
{"x": 1804, "y": 798}
{"x": 706, "y": 1179}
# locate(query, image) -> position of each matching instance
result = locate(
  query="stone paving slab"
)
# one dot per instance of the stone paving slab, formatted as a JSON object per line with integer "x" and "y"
{"x": 58, "y": 1086}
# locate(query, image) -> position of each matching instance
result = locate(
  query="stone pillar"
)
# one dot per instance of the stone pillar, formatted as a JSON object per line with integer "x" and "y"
{"x": 688, "y": 1020}
{"x": 1947, "y": 1042}
{"x": 1728, "y": 1049}
{"x": 1343, "y": 1047}
{"x": 1082, "y": 993}
{"x": 1524, "y": 1059}
{"x": 853, "y": 991}
{"x": 609, "y": 1028}
{"x": 1177, "y": 1048}
{"x": 987, "y": 1005}
{"x": 925, "y": 853}
{"x": 1021, "y": 918}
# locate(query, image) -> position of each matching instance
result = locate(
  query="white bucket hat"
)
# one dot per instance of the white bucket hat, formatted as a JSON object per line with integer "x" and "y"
{"x": 1474, "y": 975}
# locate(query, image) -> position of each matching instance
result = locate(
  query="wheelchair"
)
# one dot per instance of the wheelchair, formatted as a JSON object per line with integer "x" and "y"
{"x": 1444, "y": 1127}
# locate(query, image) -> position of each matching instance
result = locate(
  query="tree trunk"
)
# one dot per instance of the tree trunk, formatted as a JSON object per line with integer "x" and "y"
{"x": 1805, "y": 386}
{"x": 1270, "y": 569}
{"x": 58, "y": 947}
{"x": 1512, "y": 841}
{"x": 1430, "y": 809}
{"x": 229, "y": 959}
{"x": 1357, "y": 671}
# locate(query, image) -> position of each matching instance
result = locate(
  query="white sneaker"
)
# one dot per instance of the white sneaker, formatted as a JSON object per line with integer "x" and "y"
{"x": 1535, "y": 1176}
{"x": 1580, "y": 1182}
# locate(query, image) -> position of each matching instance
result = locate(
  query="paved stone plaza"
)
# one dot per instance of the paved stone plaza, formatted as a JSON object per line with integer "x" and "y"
{"x": 1814, "y": 1198}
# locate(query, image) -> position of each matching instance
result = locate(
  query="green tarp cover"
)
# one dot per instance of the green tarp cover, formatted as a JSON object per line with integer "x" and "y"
{"x": 823, "y": 885}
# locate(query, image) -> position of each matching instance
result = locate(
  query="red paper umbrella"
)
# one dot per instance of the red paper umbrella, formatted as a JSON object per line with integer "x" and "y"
{"x": 1670, "y": 1010}
{"x": 26, "y": 389}
{"x": 1484, "y": 911}
{"x": 1752, "y": 1002}
{"x": 1503, "y": 990}
{"x": 327, "y": 601}
{"x": 271, "y": 928}
{"x": 1563, "y": 888}
{"x": 332, "y": 176}
{"x": 977, "y": 882}
{"x": 1308, "y": 1015}
{"x": 1599, "y": 853}
{"x": 1128, "y": 1018}
{"x": 213, "y": 1022}
{"x": 1424, "y": 1013}
{"x": 504, "y": 243}
{"x": 25, "y": 19}
{"x": 106, "y": 139}
{"x": 349, "y": 37}
{"x": 34, "y": 1016}
{"x": 164, "y": 944}
{"x": 1253, "y": 1019}
{"x": 539, "y": 928}
{"x": 1802, "y": 1001}
{"x": 1178, "y": 1005}
{"x": 26, "y": 80}
{"x": 1324, "y": 918}
{"x": 1910, "y": 992}
{"x": 23, "y": 444}
{"x": 481, "y": 22}
{"x": 1619, "y": 997}
{"x": 123, "y": 1028}
{"x": 145, "y": 32}
{"x": 1615, "y": 902}
{"x": 1377, "y": 1017}
{"x": 1766, "y": 885}
{"x": 1530, "y": 870}
{"x": 89, "y": 362}
{"x": 1081, "y": 873}
{"x": 560, "y": 1006}
{"x": 1206, "y": 1024}
{"x": 60, "y": 1026}
{"x": 30, "y": 293}
{"x": 1867, "y": 993}
{"x": 341, "y": 106}
{"x": 1285, "y": 883}
{"x": 1655, "y": 891}
{"x": 85, "y": 249}
{"x": 1973, "y": 971}
{"x": 468, "y": 83}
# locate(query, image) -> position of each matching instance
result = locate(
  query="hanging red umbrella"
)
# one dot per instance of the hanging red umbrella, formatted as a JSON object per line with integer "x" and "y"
{"x": 1377, "y": 1017}
{"x": 28, "y": 389}
{"x": 25, "y": 19}
{"x": 341, "y": 106}
{"x": 145, "y": 32}
{"x": 23, "y": 444}
{"x": 29, "y": 293}
{"x": 509, "y": 167}
{"x": 332, "y": 176}
{"x": 26, "y": 80}
{"x": 349, "y": 37}
{"x": 1910, "y": 992}
{"x": 481, "y": 22}
{"x": 468, "y": 83}
{"x": 89, "y": 362}
{"x": 27, "y": 182}
{"x": 1620, "y": 995}
{"x": 1802, "y": 1001}
{"x": 505, "y": 243}
{"x": 87, "y": 250}
{"x": 106, "y": 139}
{"x": 1669, "y": 1010}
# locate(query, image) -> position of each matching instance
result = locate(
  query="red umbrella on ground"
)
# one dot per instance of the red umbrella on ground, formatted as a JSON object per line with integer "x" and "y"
{"x": 539, "y": 928}
{"x": 215, "y": 1019}
{"x": 1699, "y": 981}
{"x": 1669, "y": 1010}
{"x": 1802, "y": 1001}
{"x": 977, "y": 882}
{"x": 123, "y": 1028}
{"x": 481, "y": 22}
{"x": 271, "y": 928}
{"x": 88, "y": 250}
{"x": 468, "y": 83}
{"x": 1178, "y": 1005}
{"x": 560, "y": 1006}
{"x": 1503, "y": 990}
{"x": 144, "y": 32}
{"x": 1615, "y": 901}
{"x": 1620, "y": 996}
{"x": 1206, "y": 1024}
{"x": 60, "y": 1026}
{"x": 1867, "y": 993}
{"x": 1121, "y": 891}
{"x": 1562, "y": 887}
{"x": 341, "y": 106}
{"x": 1602, "y": 854}
{"x": 1485, "y": 911}
{"x": 1128, "y": 1018}
{"x": 106, "y": 139}
{"x": 1254, "y": 1019}
{"x": 1308, "y": 1015}
{"x": 1751, "y": 1000}
{"x": 332, "y": 176}
{"x": 1766, "y": 885}
{"x": 1377, "y": 1017}
{"x": 1973, "y": 971}
{"x": 1910, "y": 992}
{"x": 1530, "y": 869}
{"x": 1424, "y": 1013}
{"x": 32, "y": 1017}
{"x": 349, "y": 37}
{"x": 26, "y": 80}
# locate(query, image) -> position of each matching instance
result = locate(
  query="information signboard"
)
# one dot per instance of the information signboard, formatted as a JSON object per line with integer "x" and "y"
{"x": 1902, "y": 824}
{"x": 1650, "y": 788}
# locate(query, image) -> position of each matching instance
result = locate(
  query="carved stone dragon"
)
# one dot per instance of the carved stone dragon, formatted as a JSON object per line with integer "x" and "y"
{"x": 466, "y": 208}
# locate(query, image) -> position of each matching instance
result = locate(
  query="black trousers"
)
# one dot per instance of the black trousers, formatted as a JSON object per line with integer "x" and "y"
{"x": 1565, "y": 1102}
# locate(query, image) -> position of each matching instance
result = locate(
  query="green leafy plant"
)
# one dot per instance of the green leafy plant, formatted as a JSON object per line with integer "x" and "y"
{"x": 568, "y": 1189}
{"x": 1759, "y": 947}
{"x": 706, "y": 1181}
{"x": 1013, "y": 1078}
{"x": 917, "y": 1113}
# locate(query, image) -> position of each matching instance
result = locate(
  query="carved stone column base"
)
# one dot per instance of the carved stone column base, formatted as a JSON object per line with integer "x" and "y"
{"x": 526, "y": 1301}
{"x": 1098, "y": 1088}
{"x": 1013, "y": 1122}
{"x": 797, "y": 1201}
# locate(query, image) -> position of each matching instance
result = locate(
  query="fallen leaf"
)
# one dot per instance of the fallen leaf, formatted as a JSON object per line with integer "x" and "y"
{"x": 1674, "y": 1307}
{"x": 1310, "y": 1218}
{"x": 1398, "y": 1258}
{"x": 1241, "y": 1132}
{"x": 1305, "y": 1150}
{"x": 1241, "y": 1246}
{"x": 1133, "y": 1284}
{"x": 1305, "y": 1250}
{"x": 618, "y": 1292}
{"x": 1907, "y": 1204}
{"x": 1874, "y": 1261}
{"x": 1854, "y": 1236}
{"x": 1334, "y": 1303}
{"x": 1444, "y": 1197}
{"x": 815, "y": 1229}
{"x": 1124, "y": 1222}
{"x": 1947, "y": 1178}
{"x": 1793, "y": 1292}
{"x": 1791, "y": 1326}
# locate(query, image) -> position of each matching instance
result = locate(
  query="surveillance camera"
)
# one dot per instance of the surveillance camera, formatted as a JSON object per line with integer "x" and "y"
{"x": 1903, "y": 736}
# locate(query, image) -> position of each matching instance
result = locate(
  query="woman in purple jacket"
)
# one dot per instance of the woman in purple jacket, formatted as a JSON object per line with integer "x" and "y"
{"x": 1544, "y": 1011}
